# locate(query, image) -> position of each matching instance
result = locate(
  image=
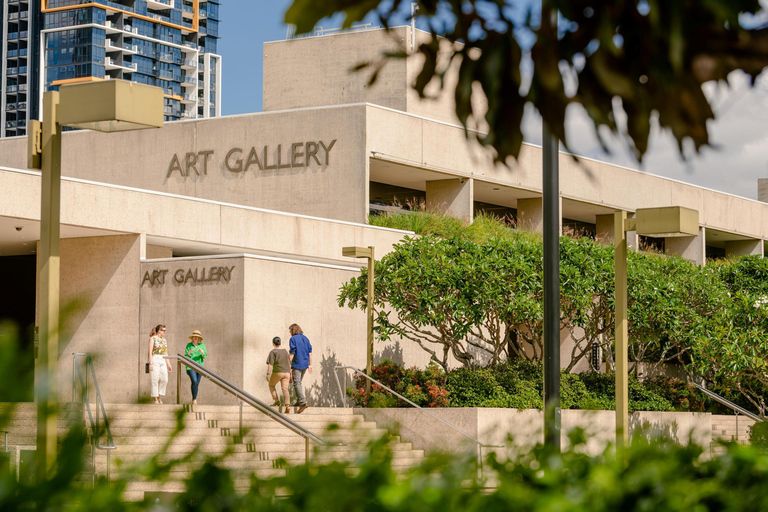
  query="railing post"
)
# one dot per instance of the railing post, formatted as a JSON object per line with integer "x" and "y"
{"x": 306, "y": 450}
{"x": 109, "y": 453}
{"x": 74, "y": 384}
{"x": 93, "y": 461}
{"x": 178, "y": 382}
{"x": 241, "y": 422}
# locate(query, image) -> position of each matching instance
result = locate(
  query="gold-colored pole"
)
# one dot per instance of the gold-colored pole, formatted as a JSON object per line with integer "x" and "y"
{"x": 49, "y": 264}
{"x": 622, "y": 394}
{"x": 369, "y": 359}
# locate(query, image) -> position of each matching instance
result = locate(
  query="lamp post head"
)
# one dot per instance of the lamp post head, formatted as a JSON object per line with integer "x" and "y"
{"x": 356, "y": 252}
{"x": 111, "y": 106}
{"x": 667, "y": 222}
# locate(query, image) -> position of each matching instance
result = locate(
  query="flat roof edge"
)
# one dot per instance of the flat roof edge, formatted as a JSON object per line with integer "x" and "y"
{"x": 210, "y": 201}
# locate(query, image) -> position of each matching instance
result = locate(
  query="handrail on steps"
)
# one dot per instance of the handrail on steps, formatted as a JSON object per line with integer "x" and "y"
{"x": 99, "y": 406}
{"x": 249, "y": 399}
{"x": 480, "y": 445}
{"x": 717, "y": 398}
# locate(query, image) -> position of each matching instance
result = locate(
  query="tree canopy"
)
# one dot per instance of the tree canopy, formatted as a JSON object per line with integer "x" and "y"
{"x": 472, "y": 294}
{"x": 647, "y": 58}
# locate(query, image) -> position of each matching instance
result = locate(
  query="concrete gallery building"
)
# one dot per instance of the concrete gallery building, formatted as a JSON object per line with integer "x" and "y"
{"x": 235, "y": 225}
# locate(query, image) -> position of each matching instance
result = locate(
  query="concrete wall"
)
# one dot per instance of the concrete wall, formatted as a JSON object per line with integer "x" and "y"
{"x": 184, "y": 302}
{"x": 100, "y": 301}
{"x": 239, "y": 318}
{"x": 277, "y": 294}
{"x": 318, "y": 71}
{"x": 177, "y": 218}
{"x": 190, "y": 159}
{"x": 492, "y": 426}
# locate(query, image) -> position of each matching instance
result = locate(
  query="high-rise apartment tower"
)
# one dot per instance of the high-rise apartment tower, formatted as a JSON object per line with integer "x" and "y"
{"x": 171, "y": 44}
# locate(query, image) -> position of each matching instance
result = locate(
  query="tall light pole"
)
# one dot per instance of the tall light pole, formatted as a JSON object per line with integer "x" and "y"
{"x": 551, "y": 238}
{"x": 670, "y": 221}
{"x": 108, "y": 106}
{"x": 366, "y": 252}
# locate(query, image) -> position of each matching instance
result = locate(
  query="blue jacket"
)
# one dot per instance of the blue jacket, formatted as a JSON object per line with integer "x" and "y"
{"x": 300, "y": 347}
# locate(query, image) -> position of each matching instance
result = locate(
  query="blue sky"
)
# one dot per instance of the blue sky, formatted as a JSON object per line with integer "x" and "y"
{"x": 741, "y": 155}
{"x": 245, "y": 26}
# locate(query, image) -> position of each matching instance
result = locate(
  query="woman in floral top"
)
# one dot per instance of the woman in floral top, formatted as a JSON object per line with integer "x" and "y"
{"x": 159, "y": 367}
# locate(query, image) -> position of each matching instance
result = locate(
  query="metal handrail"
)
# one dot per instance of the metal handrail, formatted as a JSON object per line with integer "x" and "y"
{"x": 95, "y": 428}
{"x": 728, "y": 403}
{"x": 249, "y": 399}
{"x": 480, "y": 445}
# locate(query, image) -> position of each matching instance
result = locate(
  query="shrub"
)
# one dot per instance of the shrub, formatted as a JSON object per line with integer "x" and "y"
{"x": 476, "y": 387}
{"x": 758, "y": 435}
{"x": 680, "y": 394}
{"x": 425, "y": 388}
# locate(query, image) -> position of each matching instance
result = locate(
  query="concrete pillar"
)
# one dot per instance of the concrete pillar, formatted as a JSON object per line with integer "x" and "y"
{"x": 692, "y": 248}
{"x": 762, "y": 190}
{"x": 604, "y": 227}
{"x": 743, "y": 248}
{"x": 604, "y": 231}
{"x": 156, "y": 252}
{"x": 455, "y": 197}
{"x": 530, "y": 214}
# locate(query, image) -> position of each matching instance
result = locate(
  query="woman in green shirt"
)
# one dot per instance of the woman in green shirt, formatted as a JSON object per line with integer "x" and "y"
{"x": 197, "y": 352}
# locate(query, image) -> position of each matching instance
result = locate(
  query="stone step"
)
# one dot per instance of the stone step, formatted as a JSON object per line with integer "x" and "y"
{"x": 345, "y": 419}
{"x": 32, "y": 422}
{"x": 276, "y": 432}
{"x": 341, "y": 411}
{"x": 250, "y": 423}
{"x": 254, "y": 462}
{"x": 32, "y": 406}
{"x": 275, "y": 452}
{"x": 220, "y": 445}
{"x": 32, "y": 414}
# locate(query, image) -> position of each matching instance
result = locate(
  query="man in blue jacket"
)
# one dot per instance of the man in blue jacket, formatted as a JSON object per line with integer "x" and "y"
{"x": 301, "y": 361}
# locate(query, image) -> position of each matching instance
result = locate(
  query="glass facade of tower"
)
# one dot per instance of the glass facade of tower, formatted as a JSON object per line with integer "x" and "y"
{"x": 19, "y": 49}
{"x": 170, "y": 44}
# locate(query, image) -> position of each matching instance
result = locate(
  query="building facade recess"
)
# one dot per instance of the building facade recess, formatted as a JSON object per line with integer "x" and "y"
{"x": 170, "y": 44}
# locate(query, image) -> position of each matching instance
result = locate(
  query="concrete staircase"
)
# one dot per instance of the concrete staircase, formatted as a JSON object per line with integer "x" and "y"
{"x": 729, "y": 428}
{"x": 22, "y": 422}
{"x": 140, "y": 430}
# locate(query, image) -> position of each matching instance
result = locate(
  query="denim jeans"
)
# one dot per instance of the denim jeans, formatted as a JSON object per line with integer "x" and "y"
{"x": 195, "y": 378}
{"x": 297, "y": 376}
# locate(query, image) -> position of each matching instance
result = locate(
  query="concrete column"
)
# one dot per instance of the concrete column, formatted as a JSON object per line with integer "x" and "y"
{"x": 530, "y": 214}
{"x": 455, "y": 197}
{"x": 604, "y": 231}
{"x": 604, "y": 227}
{"x": 743, "y": 248}
{"x": 156, "y": 252}
{"x": 762, "y": 190}
{"x": 692, "y": 248}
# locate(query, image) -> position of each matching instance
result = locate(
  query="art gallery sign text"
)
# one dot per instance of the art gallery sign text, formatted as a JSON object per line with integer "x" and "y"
{"x": 263, "y": 158}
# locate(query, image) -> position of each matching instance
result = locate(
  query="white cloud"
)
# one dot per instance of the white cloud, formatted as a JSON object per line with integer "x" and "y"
{"x": 738, "y": 155}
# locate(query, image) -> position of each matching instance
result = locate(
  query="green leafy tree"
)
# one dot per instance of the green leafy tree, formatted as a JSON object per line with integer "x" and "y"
{"x": 650, "y": 57}
{"x": 480, "y": 303}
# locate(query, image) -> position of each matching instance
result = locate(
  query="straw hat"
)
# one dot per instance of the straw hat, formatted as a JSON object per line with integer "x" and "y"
{"x": 198, "y": 334}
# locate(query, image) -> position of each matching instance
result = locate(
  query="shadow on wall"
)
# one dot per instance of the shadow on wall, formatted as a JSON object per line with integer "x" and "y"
{"x": 324, "y": 392}
{"x": 653, "y": 430}
{"x": 393, "y": 352}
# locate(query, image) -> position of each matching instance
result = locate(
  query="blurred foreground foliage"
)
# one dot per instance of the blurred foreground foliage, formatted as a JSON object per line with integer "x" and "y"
{"x": 650, "y": 475}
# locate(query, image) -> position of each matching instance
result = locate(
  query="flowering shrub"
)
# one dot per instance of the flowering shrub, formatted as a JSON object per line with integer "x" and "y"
{"x": 425, "y": 388}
